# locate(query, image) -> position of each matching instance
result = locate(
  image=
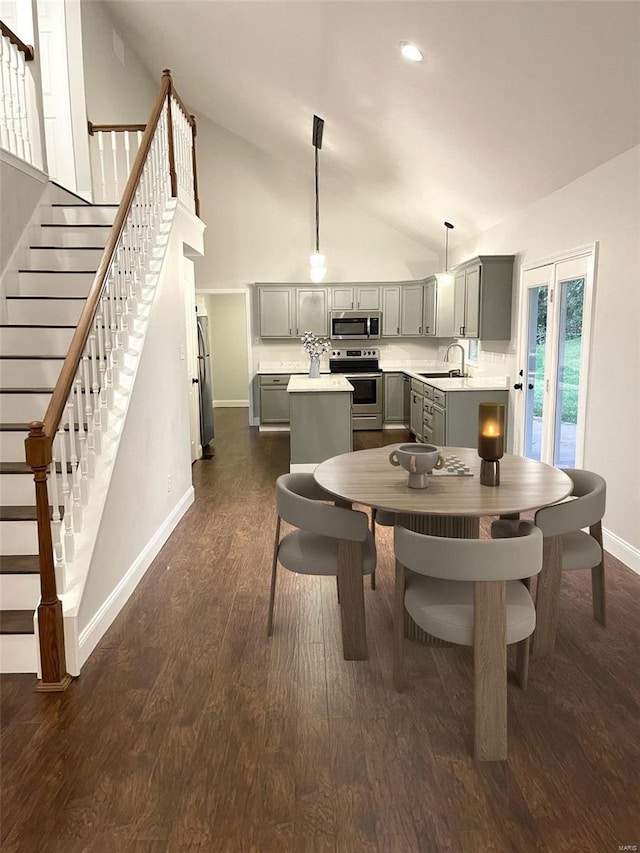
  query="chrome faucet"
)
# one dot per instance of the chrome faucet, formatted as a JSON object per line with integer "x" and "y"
{"x": 446, "y": 357}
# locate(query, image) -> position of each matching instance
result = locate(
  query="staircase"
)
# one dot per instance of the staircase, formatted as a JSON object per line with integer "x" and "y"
{"x": 41, "y": 318}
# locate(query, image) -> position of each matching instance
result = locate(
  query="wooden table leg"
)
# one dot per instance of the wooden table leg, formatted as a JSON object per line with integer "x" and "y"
{"x": 490, "y": 670}
{"x": 354, "y": 632}
{"x": 547, "y": 594}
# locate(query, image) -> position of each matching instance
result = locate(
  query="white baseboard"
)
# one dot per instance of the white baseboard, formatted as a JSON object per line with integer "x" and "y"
{"x": 231, "y": 404}
{"x": 99, "y": 624}
{"x": 394, "y": 426}
{"x": 621, "y": 550}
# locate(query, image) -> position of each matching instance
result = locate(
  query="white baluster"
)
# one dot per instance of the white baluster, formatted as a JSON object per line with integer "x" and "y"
{"x": 4, "y": 97}
{"x": 75, "y": 473}
{"x": 114, "y": 158}
{"x": 56, "y": 520}
{"x": 11, "y": 104}
{"x": 22, "y": 99}
{"x": 107, "y": 360}
{"x": 82, "y": 441}
{"x": 127, "y": 155}
{"x": 103, "y": 177}
{"x": 95, "y": 393}
{"x": 66, "y": 494}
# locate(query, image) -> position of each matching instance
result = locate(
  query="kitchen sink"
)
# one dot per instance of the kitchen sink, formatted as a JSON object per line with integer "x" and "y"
{"x": 440, "y": 374}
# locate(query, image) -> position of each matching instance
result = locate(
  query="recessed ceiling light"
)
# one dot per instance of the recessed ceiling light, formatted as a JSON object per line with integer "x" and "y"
{"x": 410, "y": 51}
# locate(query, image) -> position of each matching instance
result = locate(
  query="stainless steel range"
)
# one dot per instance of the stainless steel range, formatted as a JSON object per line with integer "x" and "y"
{"x": 360, "y": 366}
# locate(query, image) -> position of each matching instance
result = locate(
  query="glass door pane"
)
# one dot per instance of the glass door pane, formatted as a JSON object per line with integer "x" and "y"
{"x": 536, "y": 363}
{"x": 568, "y": 373}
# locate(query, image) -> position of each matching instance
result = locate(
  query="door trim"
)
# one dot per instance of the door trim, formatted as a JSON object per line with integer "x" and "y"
{"x": 590, "y": 253}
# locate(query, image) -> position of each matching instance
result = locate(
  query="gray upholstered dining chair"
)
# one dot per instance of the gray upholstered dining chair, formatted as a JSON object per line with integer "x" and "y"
{"x": 312, "y": 549}
{"x": 580, "y": 550}
{"x": 463, "y": 591}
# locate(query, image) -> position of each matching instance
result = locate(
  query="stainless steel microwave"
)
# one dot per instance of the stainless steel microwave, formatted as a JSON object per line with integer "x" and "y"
{"x": 356, "y": 325}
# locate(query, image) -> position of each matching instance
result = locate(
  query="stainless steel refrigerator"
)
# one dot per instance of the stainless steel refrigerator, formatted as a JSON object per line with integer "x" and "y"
{"x": 205, "y": 383}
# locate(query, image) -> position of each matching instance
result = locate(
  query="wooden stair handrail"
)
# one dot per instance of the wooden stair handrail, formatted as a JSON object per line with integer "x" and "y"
{"x": 118, "y": 128}
{"x": 39, "y": 444}
{"x": 27, "y": 49}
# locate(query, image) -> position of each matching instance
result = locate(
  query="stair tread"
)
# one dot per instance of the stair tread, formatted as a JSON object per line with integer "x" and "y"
{"x": 26, "y": 390}
{"x": 57, "y": 272}
{"x": 19, "y": 564}
{"x": 73, "y": 225}
{"x": 25, "y": 427}
{"x": 88, "y": 205}
{"x": 82, "y": 298}
{"x": 23, "y": 468}
{"x": 16, "y": 622}
{"x": 22, "y": 513}
{"x": 34, "y": 357}
{"x": 69, "y": 248}
{"x": 36, "y": 326}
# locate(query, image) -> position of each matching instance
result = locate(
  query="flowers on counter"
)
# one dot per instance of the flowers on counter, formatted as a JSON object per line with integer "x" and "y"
{"x": 314, "y": 346}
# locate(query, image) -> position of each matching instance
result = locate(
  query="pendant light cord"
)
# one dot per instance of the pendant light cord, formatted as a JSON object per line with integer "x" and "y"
{"x": 317, "y": 207}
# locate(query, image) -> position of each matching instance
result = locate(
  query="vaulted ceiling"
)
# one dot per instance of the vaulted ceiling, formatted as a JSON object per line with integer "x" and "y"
{"x": 513, "y": 100}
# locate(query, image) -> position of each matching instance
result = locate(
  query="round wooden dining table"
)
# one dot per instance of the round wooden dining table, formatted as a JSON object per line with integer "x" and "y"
{"x": 452, "y": 505}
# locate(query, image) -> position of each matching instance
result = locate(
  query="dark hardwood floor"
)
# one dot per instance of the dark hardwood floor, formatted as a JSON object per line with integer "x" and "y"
{"x": 189, "y": 729}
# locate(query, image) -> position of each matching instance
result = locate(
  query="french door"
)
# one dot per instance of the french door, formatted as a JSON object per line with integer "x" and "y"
{"x": 556, "y": 300}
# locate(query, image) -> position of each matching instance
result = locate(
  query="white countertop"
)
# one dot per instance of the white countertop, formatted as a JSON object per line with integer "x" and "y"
{"x": 328, "y": 382}
{"x": 462, "y": 383}
{"x": 444, "y": 383}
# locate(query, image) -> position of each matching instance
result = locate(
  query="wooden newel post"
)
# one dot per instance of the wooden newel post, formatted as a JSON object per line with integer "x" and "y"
{"x": 50, "y": 622}
{"x": 196, "y": 197}
{"x": 172, "y": 152}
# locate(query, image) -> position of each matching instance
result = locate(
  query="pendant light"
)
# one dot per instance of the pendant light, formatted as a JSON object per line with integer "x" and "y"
{"x": 317, "y": 268}
{"x": 446, "y": 277}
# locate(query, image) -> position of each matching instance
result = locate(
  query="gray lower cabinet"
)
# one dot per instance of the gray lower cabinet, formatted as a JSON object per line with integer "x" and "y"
{"x": 451, "y": 418}
{"x": 320, "y": 425}
{"x": 274, "y": 399}
{"x": 416, "y": 423}
{"x": 394, "y": 398}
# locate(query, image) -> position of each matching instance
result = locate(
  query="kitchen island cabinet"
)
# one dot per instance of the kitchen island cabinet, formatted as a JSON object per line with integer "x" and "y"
{"x": 274, "y": 399}
{"x": 320, "y": 419}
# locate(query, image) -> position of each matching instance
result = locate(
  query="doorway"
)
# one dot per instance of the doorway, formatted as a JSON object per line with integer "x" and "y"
{"x": 228, "y": 312}
{"x": 555, "y": 309}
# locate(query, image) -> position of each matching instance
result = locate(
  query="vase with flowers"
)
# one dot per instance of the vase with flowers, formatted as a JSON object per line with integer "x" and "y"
{"x": 315, "y": 347}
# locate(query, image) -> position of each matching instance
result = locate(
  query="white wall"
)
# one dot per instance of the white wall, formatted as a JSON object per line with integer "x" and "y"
{"x": 602, "y": 206}
{"x": 260, "y": 222}
{"x": 228, "y": 342}
{"x": 116, "y": 93}
{"x": 155, "y": 445}
{"x": 22, "y": 190}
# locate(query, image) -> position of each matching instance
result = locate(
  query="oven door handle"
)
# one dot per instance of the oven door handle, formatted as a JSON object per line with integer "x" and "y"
{"x": 362, "y": 375}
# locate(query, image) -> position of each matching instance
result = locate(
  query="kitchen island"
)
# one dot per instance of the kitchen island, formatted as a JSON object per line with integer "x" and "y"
{"x": 320, "y": 419}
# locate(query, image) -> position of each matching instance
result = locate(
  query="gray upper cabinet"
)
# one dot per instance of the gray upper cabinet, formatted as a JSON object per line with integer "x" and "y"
{"x": 287, "y": 312}
{"x": 411, "y": 310}
{"x": 368, "y": 298}
{"x": 311, "y": 311}
{"x": 391, "y": 312}
{"x": 342, "y": 298}
{"x": 276, "y": 312}
{"x": 355, "y": 298}
{"x": 430, "y": 303}
{"x": 482, "y": 298}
